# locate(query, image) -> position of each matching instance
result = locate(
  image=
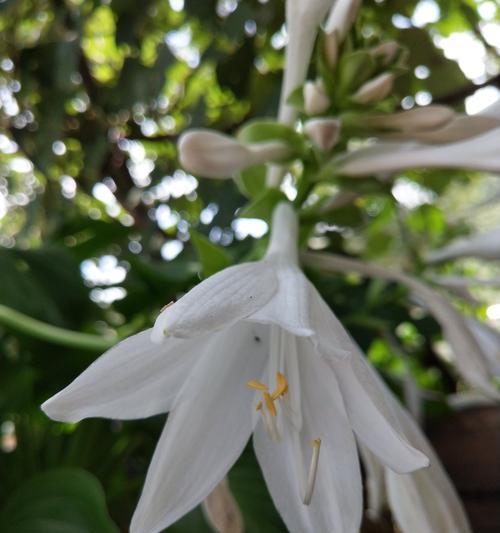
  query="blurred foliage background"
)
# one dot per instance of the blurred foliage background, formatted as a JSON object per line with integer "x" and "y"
{"x": 100, "y": 227}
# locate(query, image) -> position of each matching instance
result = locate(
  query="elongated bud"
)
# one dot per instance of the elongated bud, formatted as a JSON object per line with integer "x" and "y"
{"x": 323, "y": 132}
{"x": 284, "y": 232}
{"x": 341, "y": 17}
{"x": 375, "y": 89}
{"x": 209, "y": 154}
{"x": 222, "y": 511}
{"x": 316, "y": 100}
{"x": 331, "y": 48}
{"x": 386, "y": 51}
{"x": 419, "y": 118}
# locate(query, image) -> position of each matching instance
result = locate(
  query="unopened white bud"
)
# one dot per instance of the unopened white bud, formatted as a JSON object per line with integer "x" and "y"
{"x": 416, "y": 119}
{"x": 331, "y": 48}
{"x": 341, "y": 17}
{"x": 387, "y": 51}
{"x": 209, "y": 154}
{"x": 316, "y": 100}
{"x": 323, "y": 132}
{"x": 375, "y": 89}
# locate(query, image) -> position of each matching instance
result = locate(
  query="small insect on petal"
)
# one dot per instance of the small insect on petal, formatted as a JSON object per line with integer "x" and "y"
{"x": 313, "y": 470}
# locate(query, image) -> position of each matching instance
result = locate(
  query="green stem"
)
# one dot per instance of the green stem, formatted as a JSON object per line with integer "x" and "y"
{"x": 40, "y": 330}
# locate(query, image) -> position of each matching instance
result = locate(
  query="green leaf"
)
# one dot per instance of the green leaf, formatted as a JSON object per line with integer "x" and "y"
{"x": 66, "y": 500}
{"x": 263, "y": 205}
{"x": 256, "y": 131}
{"x": 212, "y": 257}
{"x": 354, "y": 70}
{"x": 251, "y": 181}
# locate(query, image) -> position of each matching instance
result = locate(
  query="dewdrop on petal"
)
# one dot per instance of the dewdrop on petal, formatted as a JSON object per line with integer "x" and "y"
{"x": 375, "y": 89}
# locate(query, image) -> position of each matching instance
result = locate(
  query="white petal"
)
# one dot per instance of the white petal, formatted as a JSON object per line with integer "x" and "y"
{"x": 371, "y": 417}
{"x": 206, "y": 431}
{"x": 479, "y": 152}
{"x": 470, "y": 360}
{"x": 336, "y": 503}
{"x": 219, "y": 301}
{"x": 484, "y": 245}
{"x": 290, "y": 306}
{"x": 424, "y": 501}
{"x": 331, "y": 339}
{"x": 134, "y": 379}
{"x": 374, "y": 482}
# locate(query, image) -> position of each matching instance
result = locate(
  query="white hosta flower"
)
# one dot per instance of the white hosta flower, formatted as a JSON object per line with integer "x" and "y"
{"x": 471, "y": 361}
{"x": 375, "y": 89}
{"x": 484, "y": 245}
{"x": 342, "y": 17}
{"x": 468, "y": 142}
{"x": 421, "y": 502}
{"x": 323, "y": 132}
{"x": 210, "y": 154}
{"x": 316, "y": 101}
{"x": 252, "y": 349}
{"x": 302, "y": 21}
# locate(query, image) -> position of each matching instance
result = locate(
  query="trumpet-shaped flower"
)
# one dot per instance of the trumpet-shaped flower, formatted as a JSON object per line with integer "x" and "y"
{"x": 252, "y": 349}
{"x": 422, "y": 502}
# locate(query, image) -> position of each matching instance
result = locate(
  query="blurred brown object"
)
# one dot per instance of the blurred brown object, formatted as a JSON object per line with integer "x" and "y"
{"x": 468, "y": 443}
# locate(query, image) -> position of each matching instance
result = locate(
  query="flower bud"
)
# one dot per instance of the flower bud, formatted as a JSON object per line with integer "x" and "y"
{"x": 209, "y": 154}
{"x": 222, "y": 511}
{"x": 375, "y": 89}
{"x": 386, "y": 51}
{"x": 331, "y": 48}
{"x": 316, "y": 100}
{"x": 323, "y": 132}
{"x": 419, "y": 118}
{"x": 341, "y": 17}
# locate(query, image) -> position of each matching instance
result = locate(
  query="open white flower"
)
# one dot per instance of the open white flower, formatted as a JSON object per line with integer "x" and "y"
{"x": 253, "y": 348}
{"x": 422, "y": 502}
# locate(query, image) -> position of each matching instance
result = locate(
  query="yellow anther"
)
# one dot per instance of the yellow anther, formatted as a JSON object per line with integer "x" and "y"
{"x": 257, "y": 385}
{"x": 281, "y": 386}
{"x": 270, "y": 404}
{"x": 258, "y": 407}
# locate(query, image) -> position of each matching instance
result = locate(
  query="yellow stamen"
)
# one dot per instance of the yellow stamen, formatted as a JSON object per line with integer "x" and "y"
{"x": 281, "y": 386}
{"x": 268, "y": 400}
{"x": 257, "y": 385}
{"x": 258, "y": 407}
{"x": 313, "y": 470}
